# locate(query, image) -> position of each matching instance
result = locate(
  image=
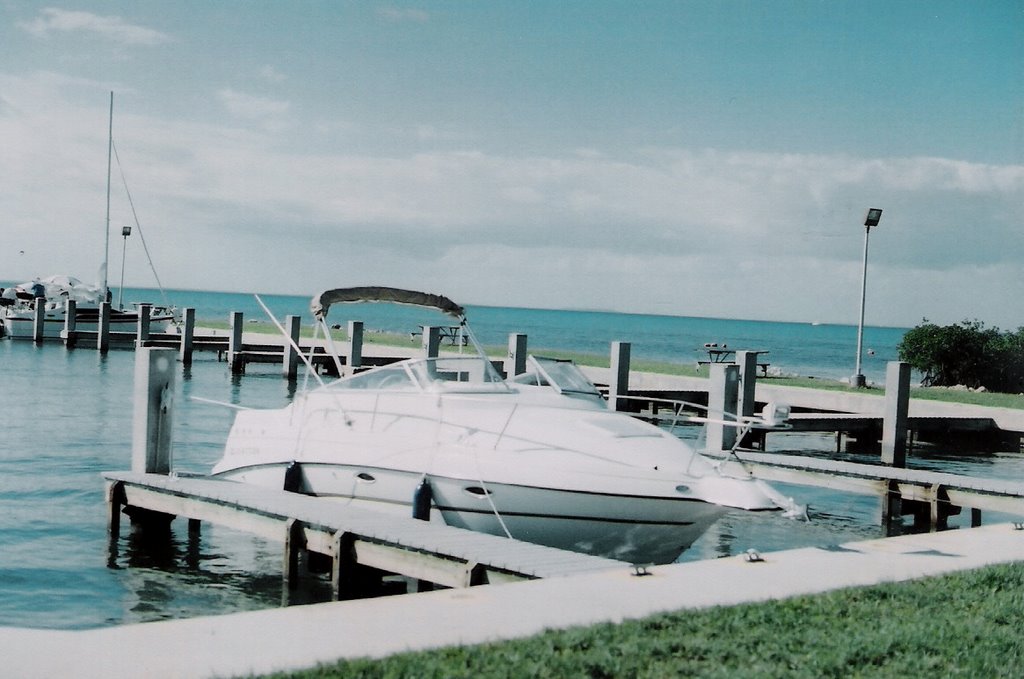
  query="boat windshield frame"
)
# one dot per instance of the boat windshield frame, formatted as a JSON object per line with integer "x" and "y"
{"x": 561, "y": 374}
{"x": 451, "y": 374}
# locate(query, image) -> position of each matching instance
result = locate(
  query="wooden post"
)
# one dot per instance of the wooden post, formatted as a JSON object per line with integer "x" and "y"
{"x": 897, "y": 407}
{"x": 343, "y": 565}
{"x": 355, "y": 344}
{"x": 291, "y": 356}
{"x": 103, "y": 328}
{"x": 235, "y": 362}
{"x": 722, "y": 399}
{"x": 39, "y": 319}
{"x": 618, "y": 380}
{"x": 746, "y": 401}
{"x": 154, "y": 400}
{"x": 115, "y": 500}
{"x": 294, "y": 545}
{"x": 894, "y": 437}
{"x": 516, "y": 362}
{"x": 747, "y": 362}
{"x": 431, "y": 341}
{"x": 188, "y": 332}
{"x": 142, "y": 327}
{"x": 70, "y": 323}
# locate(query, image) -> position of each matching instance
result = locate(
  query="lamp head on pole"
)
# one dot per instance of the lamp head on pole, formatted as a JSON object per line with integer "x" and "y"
{"x": 872, "y": 217}
{"x": 126, "y": 231}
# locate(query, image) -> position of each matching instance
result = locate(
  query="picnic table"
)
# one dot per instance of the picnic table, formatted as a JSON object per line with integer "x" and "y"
{"x": 450, "y": 333}
{"x": 723, "y": 354}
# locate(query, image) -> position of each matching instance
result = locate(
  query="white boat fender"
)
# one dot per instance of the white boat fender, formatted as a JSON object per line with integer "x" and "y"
{"x": 293, "y": 477}
{"x": 421, "y": 500}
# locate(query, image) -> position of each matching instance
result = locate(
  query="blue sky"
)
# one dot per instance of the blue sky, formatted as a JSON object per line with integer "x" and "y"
{"x": 689, "y": 158}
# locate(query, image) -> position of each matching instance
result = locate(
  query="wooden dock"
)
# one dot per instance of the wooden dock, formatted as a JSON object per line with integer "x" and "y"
{"x": 931, "y": 497}
{"x": 352, "y": 538}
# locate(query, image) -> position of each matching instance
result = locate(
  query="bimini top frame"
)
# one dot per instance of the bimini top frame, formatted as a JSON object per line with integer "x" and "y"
{"x": 321, "y": 303}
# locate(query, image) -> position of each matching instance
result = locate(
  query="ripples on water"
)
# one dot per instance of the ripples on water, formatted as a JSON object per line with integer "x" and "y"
{"x": 68, "y": 418}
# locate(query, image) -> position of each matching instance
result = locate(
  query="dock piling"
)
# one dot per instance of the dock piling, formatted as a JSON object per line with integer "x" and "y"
{"x": 619, "y": 374}
{"x": 897, "y": 407}
{"x": 236, "y": 362}
{"x": 431, "y": 341}
{"x": 38, "y": 319}
{"x": 103, "y": 328}
{"x": 723, "y": 393}
{"x": 143, "y": 324}
{"x": 70, "y": 323}
{"x": 355, "y": 344}
{"x": 290, "y": 368}
{"x": 154, "y": 396}
{"x": 188, "y": 330}
{"x": 516, "y": 363}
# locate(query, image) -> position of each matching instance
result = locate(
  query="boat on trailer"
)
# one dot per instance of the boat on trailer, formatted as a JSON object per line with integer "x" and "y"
{"x": 538, "y": 456}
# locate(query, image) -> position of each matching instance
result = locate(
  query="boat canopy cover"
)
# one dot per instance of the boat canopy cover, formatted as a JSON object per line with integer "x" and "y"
{"x": 322, "y": 303}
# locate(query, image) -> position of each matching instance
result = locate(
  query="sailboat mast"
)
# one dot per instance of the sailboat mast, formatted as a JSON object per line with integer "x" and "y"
{"x": 106, "y": 231}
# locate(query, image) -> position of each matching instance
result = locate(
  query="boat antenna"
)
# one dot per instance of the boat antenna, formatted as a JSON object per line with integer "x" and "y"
{"x": 106, "y": 231}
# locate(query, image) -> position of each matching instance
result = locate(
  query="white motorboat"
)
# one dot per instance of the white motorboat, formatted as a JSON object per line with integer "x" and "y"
{"x": 538, "y": 457}
{"x": 18, "y": 309}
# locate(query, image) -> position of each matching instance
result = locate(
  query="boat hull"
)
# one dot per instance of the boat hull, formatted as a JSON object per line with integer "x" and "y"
{"x": 634, "y": 528}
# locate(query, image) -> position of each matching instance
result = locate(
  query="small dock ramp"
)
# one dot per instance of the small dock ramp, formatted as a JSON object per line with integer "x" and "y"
{"x": 352, "y": 537}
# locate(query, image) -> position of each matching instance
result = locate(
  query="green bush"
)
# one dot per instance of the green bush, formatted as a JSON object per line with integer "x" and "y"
{"x": 966, "y": 353}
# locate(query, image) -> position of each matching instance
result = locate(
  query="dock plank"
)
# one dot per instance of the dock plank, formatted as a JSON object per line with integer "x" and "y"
{"x": 444, "y": 553}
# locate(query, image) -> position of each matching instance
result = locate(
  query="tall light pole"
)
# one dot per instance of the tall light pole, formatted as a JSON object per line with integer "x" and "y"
{"x": 870, "y": 219}
{"x": 125, "y": 232}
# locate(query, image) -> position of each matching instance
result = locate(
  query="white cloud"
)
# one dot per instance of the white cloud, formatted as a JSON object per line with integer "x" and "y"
{"x": 671, "y": 230}
{"x": 271, "y": 74}
{"x": 270, "y": 112}
{"x": 114, "y": 28}
{"x": 403, "y": 14}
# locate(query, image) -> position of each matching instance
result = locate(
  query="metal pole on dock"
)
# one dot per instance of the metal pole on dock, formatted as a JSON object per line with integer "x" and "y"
{"x": 870, "y": 219}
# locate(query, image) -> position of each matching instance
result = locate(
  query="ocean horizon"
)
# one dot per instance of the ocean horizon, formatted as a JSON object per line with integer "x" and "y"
{"x": 808, "y": 349}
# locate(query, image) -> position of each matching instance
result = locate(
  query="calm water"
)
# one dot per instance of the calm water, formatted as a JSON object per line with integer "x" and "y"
{"x": 68, "y": 418}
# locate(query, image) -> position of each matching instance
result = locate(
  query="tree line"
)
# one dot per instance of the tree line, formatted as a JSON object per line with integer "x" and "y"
{"x": 966, "y": 353}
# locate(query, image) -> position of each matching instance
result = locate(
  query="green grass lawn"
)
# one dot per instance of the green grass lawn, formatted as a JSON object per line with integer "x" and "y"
{"x": 962, "y": 625}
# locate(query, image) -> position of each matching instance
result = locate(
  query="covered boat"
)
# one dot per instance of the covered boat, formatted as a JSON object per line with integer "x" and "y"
{"x": 17, "y": 310}
{"x": 537, "y": 457}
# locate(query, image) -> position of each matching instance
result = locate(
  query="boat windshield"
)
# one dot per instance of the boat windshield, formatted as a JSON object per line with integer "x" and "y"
{"x": 561, "y": 374}
{"x": 456, "y": 373}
